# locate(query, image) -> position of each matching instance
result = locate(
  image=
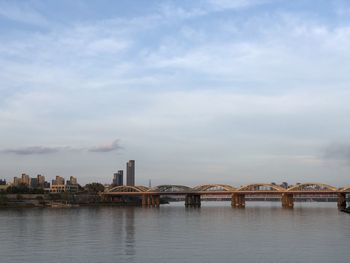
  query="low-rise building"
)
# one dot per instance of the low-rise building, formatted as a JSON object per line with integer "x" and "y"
{"x": 57, "y": 188}
{"x": 59, "y": 185}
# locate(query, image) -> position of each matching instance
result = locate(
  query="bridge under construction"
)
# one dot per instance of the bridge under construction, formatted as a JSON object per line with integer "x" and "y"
{"x": 192, "y": 195}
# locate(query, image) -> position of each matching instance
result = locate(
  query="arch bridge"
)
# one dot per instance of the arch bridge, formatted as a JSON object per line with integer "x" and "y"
{"x": 151, "y": 196}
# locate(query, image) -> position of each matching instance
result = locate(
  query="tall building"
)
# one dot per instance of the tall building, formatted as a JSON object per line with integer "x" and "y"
{"x": 41, "y": 180}
{"x": 72, "y": 181}
{"x": 57, "y": 185}
{"x": 34, "y": 183}
{"x": 72, "y": 185}
{"x": 118, "y": 178}
{"x": 58, "y": 181}
{"x": 25, "y": 179}
{"x": 16, "y": 181}
{"x": 130, "y": 173}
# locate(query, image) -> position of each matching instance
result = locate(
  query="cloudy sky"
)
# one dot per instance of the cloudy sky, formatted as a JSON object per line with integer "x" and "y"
{"x": 206, "y": 91}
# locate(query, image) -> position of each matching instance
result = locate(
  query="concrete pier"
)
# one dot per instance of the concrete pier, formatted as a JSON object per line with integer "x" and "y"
{"x": 238, "y": 200}
{"x": 151, "y": 200}
{"x": 192, "y": 200}
{"x": 341, "y": 201}
{"x": 287, "y": 200}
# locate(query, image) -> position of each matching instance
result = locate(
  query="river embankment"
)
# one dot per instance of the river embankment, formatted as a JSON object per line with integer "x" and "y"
{"x": 66, "y": 200}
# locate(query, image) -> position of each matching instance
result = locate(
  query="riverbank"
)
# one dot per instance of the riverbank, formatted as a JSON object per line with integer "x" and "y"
{"x": 64, "y": 200}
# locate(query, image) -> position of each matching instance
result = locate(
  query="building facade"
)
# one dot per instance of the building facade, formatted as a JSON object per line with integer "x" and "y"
{"x": 118, "y": 178}
{"x": 59, "y": 180}
{"x": 130, "y": 173}
{"x": 59, "y": 185}
{"x": 40, "y": 180}
{"x": 72, "y": 185}
{"x": 26, "y": 179}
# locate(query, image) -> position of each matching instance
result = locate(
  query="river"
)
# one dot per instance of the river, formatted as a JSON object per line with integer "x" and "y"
{"x": 262, "y": 232}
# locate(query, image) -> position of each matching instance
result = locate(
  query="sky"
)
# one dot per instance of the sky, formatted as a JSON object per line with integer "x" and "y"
{"x": 206, "y": 91}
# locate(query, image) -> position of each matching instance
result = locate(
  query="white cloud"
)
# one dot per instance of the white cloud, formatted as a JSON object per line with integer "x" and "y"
{"x": 22, "y": 12}
{"x": 235, "y": 4}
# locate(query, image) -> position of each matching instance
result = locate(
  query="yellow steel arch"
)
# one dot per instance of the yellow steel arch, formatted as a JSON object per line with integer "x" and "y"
{"x": 345, "y": 189}
{"x": 128, "y": 188}
{"x": 214, "y": 187}
{"x": 312, "y": 186}
{"x": 261, "y": 187}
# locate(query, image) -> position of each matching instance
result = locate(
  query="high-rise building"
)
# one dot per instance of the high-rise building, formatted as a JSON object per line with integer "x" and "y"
{"x": 72, "y": 181}
{"x": 72, "y": 185}
{"x": 130, "y": 173}
{"x": 41, "y": 180}
{"x": 58, "y": 181}
{"x": 25, "y": 179}
{"x": 118, "y": 178}
{"x": 16, "y": 181}
{"x": 57, "y": 185}
{"x": 34, "y": 183}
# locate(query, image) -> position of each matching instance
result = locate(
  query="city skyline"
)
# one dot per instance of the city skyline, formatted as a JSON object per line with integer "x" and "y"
{"x": 207, "y": 91}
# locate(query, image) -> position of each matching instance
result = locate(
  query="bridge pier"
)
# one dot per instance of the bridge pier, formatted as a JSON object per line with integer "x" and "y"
{"x": 341, "y": 201}
{"x": 151, "y": 200}
{"x": 287, "y": 201}
{"x": 193, "y": 200}
{"x": 238, "y": 201}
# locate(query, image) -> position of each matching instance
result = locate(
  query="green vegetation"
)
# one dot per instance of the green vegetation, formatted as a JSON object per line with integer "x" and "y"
{"x": 94, "y": 188}
{"x": 3, "y": 200}
{"x": 23, "y": 189}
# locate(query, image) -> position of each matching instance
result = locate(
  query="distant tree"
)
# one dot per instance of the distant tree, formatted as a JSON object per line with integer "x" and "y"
{"x": 94, "y": 188}
{"x": 23, "y": 189}
{"x": 3, "y": 199}
{"x": 19, "y": 189}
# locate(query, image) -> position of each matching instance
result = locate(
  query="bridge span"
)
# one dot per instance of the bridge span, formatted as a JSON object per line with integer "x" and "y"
{"x": 192, "y": 195}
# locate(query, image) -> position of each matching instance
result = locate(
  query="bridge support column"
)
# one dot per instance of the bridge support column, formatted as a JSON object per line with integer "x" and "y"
{"x": 341, "y": 201}
{"x": 144, "y": 200}
{"x": 155, "y": 200}
{"x": 287, "y": 201}
{"x": 193, "y": 200}
{"x": 151, "y": 200}
{"x": 238, "y": 201}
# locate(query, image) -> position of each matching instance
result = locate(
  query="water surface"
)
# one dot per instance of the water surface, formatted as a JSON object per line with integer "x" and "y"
{"x": 262, "y": 232}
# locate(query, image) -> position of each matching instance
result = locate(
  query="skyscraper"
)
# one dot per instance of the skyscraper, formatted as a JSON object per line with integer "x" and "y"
{"x": 41, "y": 180}
{"x": 118, "y": 178}
{"x": 130, "y": 173}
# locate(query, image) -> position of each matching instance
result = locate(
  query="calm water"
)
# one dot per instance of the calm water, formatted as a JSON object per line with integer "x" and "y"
{"x": 263, "y": 232}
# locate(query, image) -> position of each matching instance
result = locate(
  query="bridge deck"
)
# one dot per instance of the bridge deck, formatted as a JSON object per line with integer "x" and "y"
{"x": 313, "y": 192}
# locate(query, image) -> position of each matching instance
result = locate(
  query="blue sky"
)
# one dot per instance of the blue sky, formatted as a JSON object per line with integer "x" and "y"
{"x": 196, "y": 91}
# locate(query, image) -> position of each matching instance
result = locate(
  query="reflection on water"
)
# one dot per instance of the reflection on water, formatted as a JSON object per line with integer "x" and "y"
{"x": 263, "y": 232}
